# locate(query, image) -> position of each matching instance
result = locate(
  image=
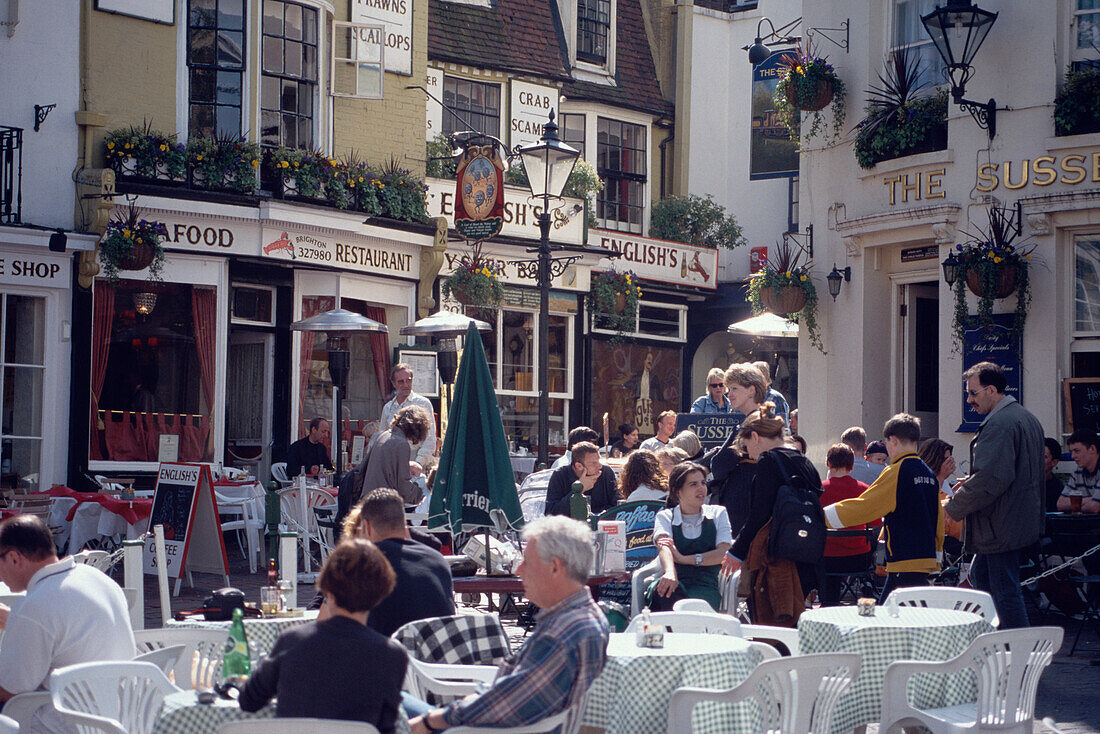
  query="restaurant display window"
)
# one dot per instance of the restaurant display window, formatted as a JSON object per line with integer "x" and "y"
{"x": 636, "y": 382}
{"x": 512, "y": 352}
{"x": 368, "y": 381}
{"x": 1085, "y": 347}
{"x": 153, "y": 370}
{"x": 22, "y": 364}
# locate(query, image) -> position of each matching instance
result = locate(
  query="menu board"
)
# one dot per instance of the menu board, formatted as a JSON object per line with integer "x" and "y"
{"x": 185, "y": 505}
{"x": 1081, "y": 400}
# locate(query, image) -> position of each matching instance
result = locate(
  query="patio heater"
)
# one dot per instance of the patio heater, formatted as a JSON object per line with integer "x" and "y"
{"x": 444, "y": 327}
{"x": 340, "y": 325}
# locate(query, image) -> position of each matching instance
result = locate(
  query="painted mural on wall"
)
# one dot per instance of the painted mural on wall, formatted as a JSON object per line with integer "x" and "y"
{"x": 637, "y": 383}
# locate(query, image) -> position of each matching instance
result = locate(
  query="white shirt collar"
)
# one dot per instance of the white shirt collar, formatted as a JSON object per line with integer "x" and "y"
{"x": 54, "y": 568}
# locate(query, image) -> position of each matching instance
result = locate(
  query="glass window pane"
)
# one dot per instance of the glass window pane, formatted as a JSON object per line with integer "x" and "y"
{"x": 1087, "y": 298}
{"x": 201, "y": 50}
{"x": 559, "y": 360}
{"x": 309, "y": 25}
{"x": 305, "y": 132}
{"x": 201, "y": 122}
{"x": 309, "y": 63}
{"x": 289, "y": 99}
{"x": 24, "y": 329}
{"x": 229, "y": 88}
{"x": 292, "y": 58}
{"x": 231, "y": 14}
{"x": 305, "y": 100}
{"x": 21, "y": 462}
{"x": 231, "y": 49}
{"x": 229, "y": 121}
{"x": 273, "y": 17}
{"x": 518, "y": 356}
{"x": 202, "y": 85}
{"x": 202, "y": 13}
{"x": 1088, "y": 30}
{"x": 292, "y": 27}
{"x": 290, "y": 130}
{"x": 270, "y": 88}
{"x": 269, "y": 128}
{"x": 273, "y": 55}
{"x": 22, "y": 401}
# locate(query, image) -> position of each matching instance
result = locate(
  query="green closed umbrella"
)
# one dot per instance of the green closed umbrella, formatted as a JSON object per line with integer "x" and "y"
{"x": 474, "y": 484}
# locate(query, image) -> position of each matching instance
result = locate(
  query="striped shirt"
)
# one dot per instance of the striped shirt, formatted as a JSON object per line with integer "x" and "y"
{"x": 552, "y": 670}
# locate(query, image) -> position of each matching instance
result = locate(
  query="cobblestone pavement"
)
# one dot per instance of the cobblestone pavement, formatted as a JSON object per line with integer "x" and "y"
{"x": 1067, "y": 691}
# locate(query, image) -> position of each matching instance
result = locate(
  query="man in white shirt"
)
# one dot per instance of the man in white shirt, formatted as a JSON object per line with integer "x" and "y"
{"x": 72, "y": 613}
{"x": 401, "y": 377}
{"x": 862, "y": 469}
{"x": 666, "y": 426}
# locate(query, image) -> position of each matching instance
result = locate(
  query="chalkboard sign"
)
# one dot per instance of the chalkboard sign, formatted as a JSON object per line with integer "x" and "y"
{"x": 1000, "y": 344}
{"x": 711, "y": 428}
{"x": 185, "y": 505}
{"x": 1081, "y": 400}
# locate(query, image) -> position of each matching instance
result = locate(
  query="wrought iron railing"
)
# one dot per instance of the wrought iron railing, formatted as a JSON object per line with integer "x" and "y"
{"x": 11, "y": 174}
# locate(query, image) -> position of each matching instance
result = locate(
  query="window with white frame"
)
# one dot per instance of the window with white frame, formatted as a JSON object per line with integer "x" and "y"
{"x": 1086, "y": 33}
{"x": 909, "y": 33}
{"x": 653, "y": 321}
{"x": 357, "y": 60}
{"x": 478, "y": 103}
{"x": 23, "y": 370}
{"x": 593, "y": 30}
{"x": 621, "y": 163}
{"x": 572, "y": 130}
{"x": 289, "y": 77}
{"x": 1086, "y": 300}
{"x": 215, "y": 67}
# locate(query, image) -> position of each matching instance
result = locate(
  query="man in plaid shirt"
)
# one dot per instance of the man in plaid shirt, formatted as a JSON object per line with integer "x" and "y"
{"x": 556, "y": 666}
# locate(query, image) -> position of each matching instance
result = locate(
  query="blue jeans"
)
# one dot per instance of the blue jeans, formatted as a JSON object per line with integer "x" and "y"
{"x": 999, "y": 575}
{"x": 414, "y": 706}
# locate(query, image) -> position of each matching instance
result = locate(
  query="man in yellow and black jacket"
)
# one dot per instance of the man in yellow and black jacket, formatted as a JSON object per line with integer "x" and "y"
{"x": 906, "y": 496}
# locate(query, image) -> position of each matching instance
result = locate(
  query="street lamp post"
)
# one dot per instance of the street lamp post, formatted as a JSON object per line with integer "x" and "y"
{"x": 548, "y": 165}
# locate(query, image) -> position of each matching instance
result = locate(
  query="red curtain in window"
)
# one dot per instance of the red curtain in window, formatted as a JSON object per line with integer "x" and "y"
{"x": 380, "y": 349}
{"x": 204, "y": 312}
{"x": 103, "y": 318}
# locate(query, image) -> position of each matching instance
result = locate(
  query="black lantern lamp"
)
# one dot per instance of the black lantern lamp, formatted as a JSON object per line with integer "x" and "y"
{"x": 950, "y": 269}
{"x": 444, "y": 327}
{"x": 339, "y": 324}
{"x": 548, "y": 164}
{"x": 958, "y": 30}
{"x": 836, "y": 278}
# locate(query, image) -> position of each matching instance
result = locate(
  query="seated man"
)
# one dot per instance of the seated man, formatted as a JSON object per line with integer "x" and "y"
{"x": 337, "y": 668}
{"x": 424, "y": 588}
{"x": 1083, "y": 487}
{"x": 308, "y": 454}
{"x": 598, "y": 482}
{"x": 72, "y": 614}
{"x": 558, "y": 663}
{"x": 578, "y": 434}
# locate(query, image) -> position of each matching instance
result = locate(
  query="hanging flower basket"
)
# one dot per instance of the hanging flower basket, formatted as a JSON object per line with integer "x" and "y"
{"x": 1006, "y": 282}
{"x": 132, "y": 243}
{"x": 475, "y": 282}
{"x": 613, "y": 301}
{"x": 620, "y": 302}
{"x": 138, "y": 258}
{"x": 787, "y": 299}
{"x": 818, "y": 99}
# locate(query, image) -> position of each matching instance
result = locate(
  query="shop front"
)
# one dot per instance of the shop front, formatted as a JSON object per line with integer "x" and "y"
{"x": 35, "y": 336}
{"x": 202, "y": 366}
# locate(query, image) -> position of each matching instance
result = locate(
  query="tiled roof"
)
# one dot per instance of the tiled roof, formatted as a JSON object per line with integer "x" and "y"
{"x": 525, "y": 36}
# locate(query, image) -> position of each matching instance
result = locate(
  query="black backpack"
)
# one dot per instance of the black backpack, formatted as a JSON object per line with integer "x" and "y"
{"x": 798, "y": 520}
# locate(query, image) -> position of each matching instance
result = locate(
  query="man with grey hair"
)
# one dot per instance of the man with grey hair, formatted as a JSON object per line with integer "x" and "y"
{"x": 862, "y": 470}
{"x": 557, "y": 664}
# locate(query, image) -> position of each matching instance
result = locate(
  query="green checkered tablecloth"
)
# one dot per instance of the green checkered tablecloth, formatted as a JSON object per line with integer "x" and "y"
{"x": 183, "y": 714}
{"x": 261, "y": 633}
{"x": 632, "y": 693}
{"x": 916, "y": 633}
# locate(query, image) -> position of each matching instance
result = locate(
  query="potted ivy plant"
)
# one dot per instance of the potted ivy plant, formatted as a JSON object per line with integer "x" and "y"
{"x": 1077, "y": 106}
{"x": 132, "y": 243}
{"x": 785, "y": 287}
{"x": 809, "y": 84}
{"x": 695, "y": 220}
{"x": 613, "y": 300}
{"x": 475, "y": 282}
{"x": 902, "y": 117}
{"x": 992, "y": 266}
{"x": 225, "y": 162}
{"x": 146, "y": 153}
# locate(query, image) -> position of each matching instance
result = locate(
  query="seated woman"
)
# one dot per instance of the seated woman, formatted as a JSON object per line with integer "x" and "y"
{"x": 628, "y": 441}
{"x": 337, "y": 668}
{"x": 642, "y": 479}
{"x": 669, "y": 457}
{"x": 692, "y": 539}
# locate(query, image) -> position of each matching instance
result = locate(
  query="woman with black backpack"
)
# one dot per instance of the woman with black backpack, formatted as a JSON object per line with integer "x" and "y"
{"x": 779, "y": 550}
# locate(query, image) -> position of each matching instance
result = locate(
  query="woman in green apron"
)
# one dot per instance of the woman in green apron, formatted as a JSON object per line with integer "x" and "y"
{"x": 691, "y": 539}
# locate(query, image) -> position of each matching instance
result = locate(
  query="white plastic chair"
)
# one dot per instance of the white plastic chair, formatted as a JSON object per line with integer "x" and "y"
{"x": 207, "y": 643}
{"x": 948, "y": 597}
{"x": 569, "y": 722}
{"x": 699, "y": 622}
{"x": 248, "y": 520}
{"x": 8, "y": 725}
{"x": 794, "y": 695}
{"x": 296, "y": 726}
{"x": 298, "y": 517}
{"x": 165, "y": 658}
{"x": 731, "y": 602}
{"x": 693, "y": 605}
{"x": 1007, "y": 666}
{"x": 116, "y": 697}
{"x": 278, "y": 473}
{"x": 446, "y": 683}
{"x": 788, "y": 636}
{"x": 639, "y": 580}
{"x": 22, "y": 707}
{"x": 98, "y": 559}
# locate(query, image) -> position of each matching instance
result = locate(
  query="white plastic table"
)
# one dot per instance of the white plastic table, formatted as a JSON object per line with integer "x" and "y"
{"x": 917, "y": 633}
{"x": 631, "y": 695}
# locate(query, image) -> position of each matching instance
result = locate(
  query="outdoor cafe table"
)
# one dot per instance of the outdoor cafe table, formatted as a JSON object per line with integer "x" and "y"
{"x": 631, "y": 695}
{"x": 917, "y": 633}
{"x": 85, "y": 516}
{"x": 182, "y": 713}
{"x": 261, "y": 632}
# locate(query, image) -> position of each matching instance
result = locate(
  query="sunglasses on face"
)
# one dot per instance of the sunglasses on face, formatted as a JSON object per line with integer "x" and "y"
{"x": 717, "y": 384}
{"x": 974, "y": 393}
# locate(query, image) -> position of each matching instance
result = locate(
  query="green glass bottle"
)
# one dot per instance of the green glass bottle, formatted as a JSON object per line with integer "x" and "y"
{"x": 578, "y": 503}
{"x": 236, "y": 659}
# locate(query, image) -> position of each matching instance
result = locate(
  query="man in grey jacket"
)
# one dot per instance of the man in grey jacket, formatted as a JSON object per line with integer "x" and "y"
{"x": 1001, "y": 500}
